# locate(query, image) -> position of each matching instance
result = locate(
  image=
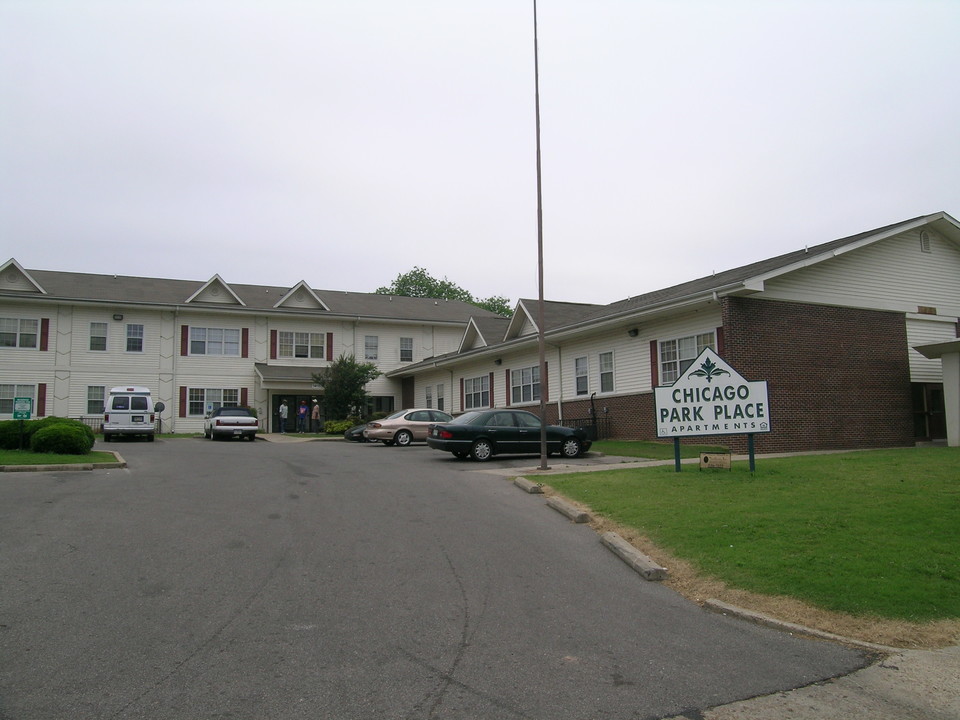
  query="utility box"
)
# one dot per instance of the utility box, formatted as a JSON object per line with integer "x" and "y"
{"x": 720, "y": 460}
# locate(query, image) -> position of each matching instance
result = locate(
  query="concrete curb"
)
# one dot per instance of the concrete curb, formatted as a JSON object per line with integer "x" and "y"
{"x": 646, "y": 567}
{"x": 528, "y": 485}
{"x": 565, "y": 508}
{"x": 121, "y": 463}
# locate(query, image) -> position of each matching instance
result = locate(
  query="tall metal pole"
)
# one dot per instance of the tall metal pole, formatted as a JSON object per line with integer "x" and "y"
{"x": 540, "y": 329}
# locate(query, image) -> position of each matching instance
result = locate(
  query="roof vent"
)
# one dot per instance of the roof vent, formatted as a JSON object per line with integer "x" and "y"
{"x": 924, "y": 241}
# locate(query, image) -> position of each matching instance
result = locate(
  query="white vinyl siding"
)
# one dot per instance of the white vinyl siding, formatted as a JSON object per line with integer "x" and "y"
{"x": 925, "y": 332}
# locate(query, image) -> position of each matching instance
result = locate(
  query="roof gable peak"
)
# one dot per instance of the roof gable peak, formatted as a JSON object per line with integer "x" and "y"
{"x": 215, "y": 290}
{"x": 14, "y": 277}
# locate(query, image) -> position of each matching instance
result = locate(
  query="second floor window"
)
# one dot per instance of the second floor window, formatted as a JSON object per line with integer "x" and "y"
{"x": 134, "y": 338}
{"x": 214, "y": 341}
{"x": 98, "y": 336}
{"x": 18, "y": 333}
{"x": 300, "y": 344}
{"x": 371, "y": 347}
{"x": 406, "y": 349}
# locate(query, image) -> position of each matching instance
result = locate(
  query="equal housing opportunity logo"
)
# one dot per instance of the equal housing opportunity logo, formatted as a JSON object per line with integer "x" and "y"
{"x": 711, "y": 398}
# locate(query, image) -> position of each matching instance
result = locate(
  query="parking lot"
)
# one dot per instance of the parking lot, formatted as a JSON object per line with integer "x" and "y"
{"x": 341, "y": 580}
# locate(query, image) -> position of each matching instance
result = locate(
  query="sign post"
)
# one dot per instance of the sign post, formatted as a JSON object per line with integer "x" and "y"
{"x": 711, "y": 398}
{"x": 22, "y": 410}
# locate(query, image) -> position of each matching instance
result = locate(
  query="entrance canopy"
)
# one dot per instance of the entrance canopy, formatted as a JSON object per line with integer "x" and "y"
{"x": 949, "y": 354}
{"x": 285, "y": 377}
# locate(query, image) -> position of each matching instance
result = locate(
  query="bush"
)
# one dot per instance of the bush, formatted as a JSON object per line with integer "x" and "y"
{"x": 10, "y": 430}
{"x": 338, "y": 427}
{"x": 65, "y": 438}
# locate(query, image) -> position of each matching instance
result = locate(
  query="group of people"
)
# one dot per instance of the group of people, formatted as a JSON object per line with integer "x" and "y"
{"x": 303, "y": 415}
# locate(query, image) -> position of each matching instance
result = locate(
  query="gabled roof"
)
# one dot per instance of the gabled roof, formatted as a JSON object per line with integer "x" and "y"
{"x": 555, "y": 314}
{"x": 215, "y": 290}
{"x": 483, "y": 331}
{"x": 301, "y": 296}
{"x": 13, "y": 277}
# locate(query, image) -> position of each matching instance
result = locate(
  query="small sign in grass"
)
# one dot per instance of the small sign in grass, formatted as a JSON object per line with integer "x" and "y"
{"x": 865, "y": 533}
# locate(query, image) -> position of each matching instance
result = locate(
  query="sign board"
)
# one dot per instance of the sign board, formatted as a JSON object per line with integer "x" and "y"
{"x": 711, "y": 398}
{"x": 22, "y": 408}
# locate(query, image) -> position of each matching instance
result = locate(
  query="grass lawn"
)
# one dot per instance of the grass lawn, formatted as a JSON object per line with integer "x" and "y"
{"x": 872, "y": 533}
{"x": 25, "y": 457}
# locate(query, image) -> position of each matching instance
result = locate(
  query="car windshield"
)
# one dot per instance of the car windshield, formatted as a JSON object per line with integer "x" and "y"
{"x": 468, "y": 418}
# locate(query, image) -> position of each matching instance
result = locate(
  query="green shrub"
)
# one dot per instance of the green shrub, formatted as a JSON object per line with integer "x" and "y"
{"x": 10, "y": 430}
{"x": 65, "y": 438}
{"x": 338, "y": 427}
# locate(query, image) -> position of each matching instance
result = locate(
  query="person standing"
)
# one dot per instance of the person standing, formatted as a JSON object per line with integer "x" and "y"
{"x": 283, "y": 412}
{"x": 315, "y": 417}
{"x": 302, "y": 414}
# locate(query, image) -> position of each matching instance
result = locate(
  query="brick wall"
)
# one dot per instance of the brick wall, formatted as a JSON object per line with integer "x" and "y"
{"x": 837, "y": 378}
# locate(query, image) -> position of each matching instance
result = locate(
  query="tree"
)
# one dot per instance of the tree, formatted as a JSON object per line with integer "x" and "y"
{"x": 419, "y": 283}
{"x": 343, "y": 383}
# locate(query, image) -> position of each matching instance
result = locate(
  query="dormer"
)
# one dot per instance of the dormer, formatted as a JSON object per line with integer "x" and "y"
{"x": 14, "y": 277}
{"x": 215, "y": 290}
{"x": 301, "y": 297}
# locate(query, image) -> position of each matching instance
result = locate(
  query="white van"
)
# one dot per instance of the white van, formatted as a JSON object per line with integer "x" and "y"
{"x": 130, "y": 411}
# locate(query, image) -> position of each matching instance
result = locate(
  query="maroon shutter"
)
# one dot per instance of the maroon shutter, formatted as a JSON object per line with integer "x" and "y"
{"x": 184, "y": 341}
{"x": 243, "y": 397}
{"x": 273, "y": 344}
{"x": 183, "y": 401}
{"x": 507, "y": 381}
{"x": 545, "y": 382}
{"x": 42, "y": 400}
{"x": 329, "y": 346}
{"x": 720, "y": 343}
{"x": 245, "y": 343}
{"x": 492, "y": 403}
{"x": 462, "y": 404}
{"x": 44, "y": 334}
{"x": 654, "y": 365}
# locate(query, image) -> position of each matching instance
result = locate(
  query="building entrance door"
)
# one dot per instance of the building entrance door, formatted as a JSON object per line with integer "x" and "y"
{"x": 929, "y": 412}
{"x": 293, "y": 399}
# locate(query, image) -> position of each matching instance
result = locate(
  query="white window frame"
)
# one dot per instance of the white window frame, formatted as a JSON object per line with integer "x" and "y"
{"x": 215, "y": 341}
{"x": 581, "y": 372}
{"x": 525, "y": 385}
{"x": 302, "y": 345}
{"x": 439, "y": 396}
{"x": 678, "y": 354}
{"x": 197, "y": 398}
{"x": 95, "y": 328}
{"x": 9, "y": 391}
{"x": 135, "y": 334}
{"x": 20, "y": 329}
{"x": 476, "y": 392}
{"x": 605, "y": 371}
{"x": 429, "y": 402}
{"x": 406, "y": 349}
{"x": 371, "y": 347}
{"x": 96, "y": 399}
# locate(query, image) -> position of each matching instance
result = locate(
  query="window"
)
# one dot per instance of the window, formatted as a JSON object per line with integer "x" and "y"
{"x": 9, "y": 392}
{"x": 525, "y": 385}
{"x": 406, "y": 349}
{"x": 429, "y": 396}
{"x": 677, "y": 355}
{"x": 440, "y": 397}
{"x": 198, "y": 399}
{"x": 18, "y": 332}
{"x": 95, "y": 398}
{"x": 476, "y": 392}
{"x": 134, "y": 338}
{"x": 580, "y": 370}
{"x": 214, "y": 341}
{"x": 98, "y": 336}
{"x": 371, "y": 346}
{"x": 300, "y": 344}
{"x": 606, "y": 372}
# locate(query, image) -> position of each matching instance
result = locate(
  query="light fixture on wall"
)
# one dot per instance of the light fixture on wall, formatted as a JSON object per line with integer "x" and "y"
{"x": 633, "y": 332}
{"x": 117, "y": 316}
{"x": 498, "y": 361}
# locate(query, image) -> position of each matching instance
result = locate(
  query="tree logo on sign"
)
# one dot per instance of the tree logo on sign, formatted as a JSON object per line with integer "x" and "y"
{"x": 709, "y": 369}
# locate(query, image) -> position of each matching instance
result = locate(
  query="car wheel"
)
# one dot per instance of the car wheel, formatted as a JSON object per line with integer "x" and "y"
{"x": 403, "y": 438}
{"x": 570, "y": 448}
{"x": 482, "y": 450}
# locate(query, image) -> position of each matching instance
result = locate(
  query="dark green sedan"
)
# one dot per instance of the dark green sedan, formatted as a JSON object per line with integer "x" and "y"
{"x": 481, "y": 434}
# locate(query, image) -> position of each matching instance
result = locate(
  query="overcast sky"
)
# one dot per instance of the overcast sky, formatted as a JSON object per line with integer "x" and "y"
{"x": 345, "y": 142}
